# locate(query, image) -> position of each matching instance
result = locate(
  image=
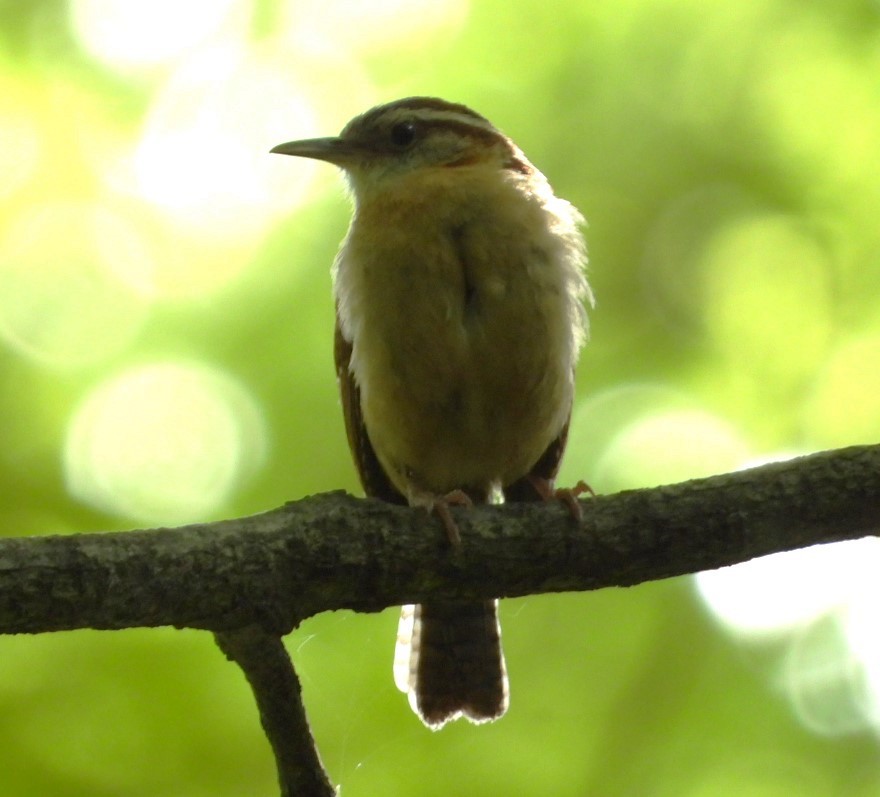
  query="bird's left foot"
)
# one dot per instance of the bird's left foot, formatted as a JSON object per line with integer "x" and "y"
{"x": 441, "y": 509}
{"x": 439, "y": 505}
{"x": 567, "y": 495}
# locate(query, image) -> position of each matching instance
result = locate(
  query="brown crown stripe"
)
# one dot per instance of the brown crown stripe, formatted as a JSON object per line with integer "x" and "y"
{"x": 423, "y": 103}
{"x": 481, "y": 129}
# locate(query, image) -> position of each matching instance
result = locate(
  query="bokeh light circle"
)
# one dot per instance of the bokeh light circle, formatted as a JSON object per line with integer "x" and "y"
{"x": 133, "y": 36}
{"x": 668, "y": 446}
{"x": 62, "y": 302}
{"x": 780, "y": 592}
{"x": 20, "y": 146}
{"x": 768, "y": 297}
{"x": 164, "y": 443}
{"x": 844, "y": 405}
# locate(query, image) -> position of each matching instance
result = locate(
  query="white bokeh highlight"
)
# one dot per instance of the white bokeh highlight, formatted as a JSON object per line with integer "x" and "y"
{"x": 816, "y": 609}
{"x": 133, "y": 36}
{"x": 667, "y": 446}
{"x": 63, "y": 304}
{"x": 164, "y": 443}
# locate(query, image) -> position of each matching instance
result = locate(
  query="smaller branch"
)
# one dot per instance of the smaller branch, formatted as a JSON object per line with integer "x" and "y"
{"x": 251, "y": 580}
{"x": 269, "y": 671}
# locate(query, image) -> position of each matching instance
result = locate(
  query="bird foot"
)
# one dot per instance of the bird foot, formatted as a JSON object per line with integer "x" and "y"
{"x": 439, "y": 505}
{"x": 441, "y": 509}
{"x": 567, "y": 495}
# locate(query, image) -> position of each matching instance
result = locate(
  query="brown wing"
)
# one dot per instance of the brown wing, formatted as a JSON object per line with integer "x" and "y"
{"x": 373, "y": 478}
{"x": 445, "y": 683}
{"x": 544, "y": 469}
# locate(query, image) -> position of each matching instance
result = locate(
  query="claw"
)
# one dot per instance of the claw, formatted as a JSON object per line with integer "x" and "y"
{"x": 440, "y": 508}
{"x": 439, "y": 505}
{"x": 567, "y": 495}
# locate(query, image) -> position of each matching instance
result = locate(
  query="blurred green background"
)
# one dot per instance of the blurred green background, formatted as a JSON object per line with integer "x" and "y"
{"x": 165, "y": 351}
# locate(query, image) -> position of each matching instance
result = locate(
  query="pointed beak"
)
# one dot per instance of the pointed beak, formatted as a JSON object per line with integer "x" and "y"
{"x": 333, "y": 150}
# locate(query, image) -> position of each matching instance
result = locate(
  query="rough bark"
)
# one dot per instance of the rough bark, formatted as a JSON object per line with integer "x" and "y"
{"x": 252, "y": 579}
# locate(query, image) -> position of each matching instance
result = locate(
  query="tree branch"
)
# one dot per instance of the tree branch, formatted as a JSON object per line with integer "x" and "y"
{"x": 332, "y": 551}
{"x": 267, "y": 667}
{"x": 252, "y": 579}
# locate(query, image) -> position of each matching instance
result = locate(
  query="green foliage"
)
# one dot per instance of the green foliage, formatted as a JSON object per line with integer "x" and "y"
{"x": 726, "y": 156}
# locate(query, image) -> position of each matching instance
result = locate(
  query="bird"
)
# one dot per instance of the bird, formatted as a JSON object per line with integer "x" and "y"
{"x": 461, "y": 304}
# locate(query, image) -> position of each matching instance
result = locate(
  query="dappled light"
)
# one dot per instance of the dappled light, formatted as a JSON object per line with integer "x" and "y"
{"x": 203, "y": 158}
{"x": 20, "y": 139}
{"x": 748, "y": 599}
{"x": 808, "y": 608}
{"x": 135, "y": 36}
{"x": 671, "y": 446}
{"x": 62, "y": 305}
{"x": 363, "y": 28}
{"x": 824, "y": 679}
{"x": 767, "y": 300}
{"x": 166, "y": 336}
{"x": 164, "y": 443}
{"x": 844, "y": 405}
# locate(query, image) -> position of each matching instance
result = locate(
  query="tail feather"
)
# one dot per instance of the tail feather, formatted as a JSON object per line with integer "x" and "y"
{"x": 450, "y": 662}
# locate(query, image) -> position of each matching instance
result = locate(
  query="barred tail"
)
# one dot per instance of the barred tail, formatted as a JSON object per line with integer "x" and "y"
{"x": 450, "y": 663}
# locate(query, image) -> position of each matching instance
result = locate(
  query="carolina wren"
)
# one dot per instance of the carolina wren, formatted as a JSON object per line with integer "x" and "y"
{"x": 460, "y": 311}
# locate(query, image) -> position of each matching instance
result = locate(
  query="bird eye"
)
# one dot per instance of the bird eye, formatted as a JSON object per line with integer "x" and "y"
{"x": 403, "y": 134}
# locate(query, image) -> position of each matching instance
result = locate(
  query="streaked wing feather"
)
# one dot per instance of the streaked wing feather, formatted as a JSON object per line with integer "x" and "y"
{"x": 373, "y": 477}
